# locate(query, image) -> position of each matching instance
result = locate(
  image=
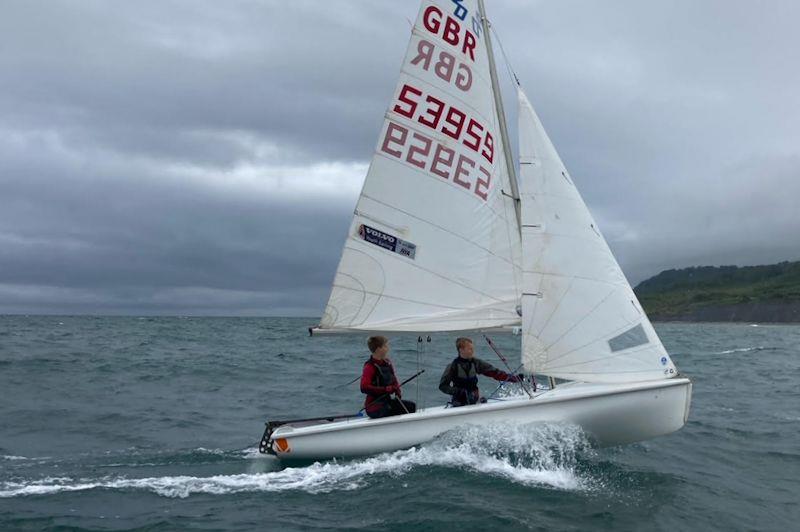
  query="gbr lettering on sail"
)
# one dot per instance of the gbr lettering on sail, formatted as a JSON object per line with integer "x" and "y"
{"x": 441, "y": 120}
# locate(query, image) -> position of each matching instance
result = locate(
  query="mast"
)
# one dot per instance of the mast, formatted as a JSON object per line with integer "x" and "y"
{"x": 498, "y": 103}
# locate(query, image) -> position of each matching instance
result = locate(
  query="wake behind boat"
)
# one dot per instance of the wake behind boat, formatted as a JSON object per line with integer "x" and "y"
{"x": 446, "y": 238}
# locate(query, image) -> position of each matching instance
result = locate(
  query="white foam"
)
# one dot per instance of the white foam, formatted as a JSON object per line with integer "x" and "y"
{"x": 318, "y": 478}
{"x": 252, "y": 453}
{"x": 203, "y": 450}
{"x": 15, "y": 458}
{"x": 541, "y": 456}
{"x": 741, "y": 350}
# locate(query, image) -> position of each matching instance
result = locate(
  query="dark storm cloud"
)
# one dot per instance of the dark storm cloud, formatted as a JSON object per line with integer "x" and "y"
{"x": 188, "y": 157}
{"x": 138, "y": 233}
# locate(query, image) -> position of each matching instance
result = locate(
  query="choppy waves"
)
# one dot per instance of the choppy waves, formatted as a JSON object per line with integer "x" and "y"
{"x": 542, "y": 456}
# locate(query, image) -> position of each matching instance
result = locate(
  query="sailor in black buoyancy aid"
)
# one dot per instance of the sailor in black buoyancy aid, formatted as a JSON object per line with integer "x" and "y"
{"x": 460, "y": 377}
{"x": 379, "y": 382}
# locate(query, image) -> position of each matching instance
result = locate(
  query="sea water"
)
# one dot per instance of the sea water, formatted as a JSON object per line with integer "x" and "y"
{"x": 113, "y": 423}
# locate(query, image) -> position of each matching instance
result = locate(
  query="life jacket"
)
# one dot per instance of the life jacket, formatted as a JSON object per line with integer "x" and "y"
{"x": 383, "y": 376}
{"x": 464, "y": 375}
{"x": 465, "y": 379}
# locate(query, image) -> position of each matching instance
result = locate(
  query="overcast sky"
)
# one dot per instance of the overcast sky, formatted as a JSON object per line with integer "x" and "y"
{"x": 186, "y": 157}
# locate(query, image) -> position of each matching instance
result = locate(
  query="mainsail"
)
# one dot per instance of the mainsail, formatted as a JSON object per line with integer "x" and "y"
{"x": 434, "y": 244}
{"x": 581, "y": 319}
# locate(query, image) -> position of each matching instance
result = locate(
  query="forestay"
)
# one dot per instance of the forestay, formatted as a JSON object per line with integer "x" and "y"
{"x": 581, "y": 319}
{"x": 434, "y": 244}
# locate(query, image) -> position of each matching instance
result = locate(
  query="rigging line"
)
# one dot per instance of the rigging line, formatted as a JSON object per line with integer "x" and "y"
{"x": 500, "y": 113}
{"x": 505, "y": 57}
{"x": 345, "y": 384}
{"x": 491, "y": 395}
{"x": 513, "y": 238}
{"x": 419, "y": 355}
{"x": 511, "y": 230}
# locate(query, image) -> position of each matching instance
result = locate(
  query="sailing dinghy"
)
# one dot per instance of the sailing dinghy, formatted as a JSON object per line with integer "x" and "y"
{"x": 446, "y": 238}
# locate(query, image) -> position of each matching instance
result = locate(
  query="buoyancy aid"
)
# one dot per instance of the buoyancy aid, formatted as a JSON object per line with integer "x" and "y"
{"x": 464, "y": 375}
{"x": 383, "y": 376}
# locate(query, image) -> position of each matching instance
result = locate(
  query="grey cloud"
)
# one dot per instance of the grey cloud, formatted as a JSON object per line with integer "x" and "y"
{"x": 122, "y": 229}
{"x": 281, "y": 71}
{"x": 677, "y": 121}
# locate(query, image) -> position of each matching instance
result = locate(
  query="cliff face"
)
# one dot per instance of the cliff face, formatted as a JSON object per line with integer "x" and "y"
{"x": 750, "y": 294}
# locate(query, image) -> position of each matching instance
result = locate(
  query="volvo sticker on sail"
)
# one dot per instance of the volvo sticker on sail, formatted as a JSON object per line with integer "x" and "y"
{"x": 387, "y": 241}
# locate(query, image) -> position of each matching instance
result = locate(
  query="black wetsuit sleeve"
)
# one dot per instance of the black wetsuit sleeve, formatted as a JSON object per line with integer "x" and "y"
{"x": 445, "y": 383}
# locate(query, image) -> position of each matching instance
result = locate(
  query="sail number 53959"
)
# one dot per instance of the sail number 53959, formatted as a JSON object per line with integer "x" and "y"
{"x": 442, "y": 117}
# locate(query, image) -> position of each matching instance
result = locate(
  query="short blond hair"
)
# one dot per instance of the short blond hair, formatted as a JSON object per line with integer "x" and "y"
{"x": 376, "y": 342}
{"x": 461, "y": 342}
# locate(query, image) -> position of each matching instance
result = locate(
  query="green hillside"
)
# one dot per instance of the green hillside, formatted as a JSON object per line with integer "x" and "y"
{"x": 693, "y": 291}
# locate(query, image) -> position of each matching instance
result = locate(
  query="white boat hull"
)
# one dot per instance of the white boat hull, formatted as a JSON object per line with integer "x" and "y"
{"x": 610, "y": 414}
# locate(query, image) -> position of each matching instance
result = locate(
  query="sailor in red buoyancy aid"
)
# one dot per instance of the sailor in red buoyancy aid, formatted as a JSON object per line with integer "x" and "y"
{"x": 379, "y": 382}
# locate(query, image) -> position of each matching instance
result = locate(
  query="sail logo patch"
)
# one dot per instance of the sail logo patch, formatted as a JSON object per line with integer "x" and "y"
{"x": 387, "y": 241}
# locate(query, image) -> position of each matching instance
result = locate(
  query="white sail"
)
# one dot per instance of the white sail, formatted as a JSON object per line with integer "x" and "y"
{"x": 434, "y": 244}
{"x": 581, "y": 319}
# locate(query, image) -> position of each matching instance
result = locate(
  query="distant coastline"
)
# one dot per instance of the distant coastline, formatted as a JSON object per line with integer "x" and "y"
{"x": 756, "y": 294}
{"x": 766, "y": 312}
